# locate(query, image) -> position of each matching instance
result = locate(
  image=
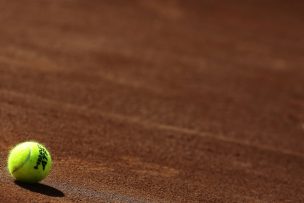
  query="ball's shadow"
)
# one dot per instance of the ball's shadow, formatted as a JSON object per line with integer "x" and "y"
{"x": 41, "y": 188}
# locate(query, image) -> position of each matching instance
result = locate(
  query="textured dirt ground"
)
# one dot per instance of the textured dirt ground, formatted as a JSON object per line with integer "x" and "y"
{"x": 155, "y": 101}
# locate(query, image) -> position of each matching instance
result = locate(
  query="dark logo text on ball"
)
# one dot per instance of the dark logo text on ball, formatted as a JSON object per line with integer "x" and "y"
{"x": 42, "y": 158}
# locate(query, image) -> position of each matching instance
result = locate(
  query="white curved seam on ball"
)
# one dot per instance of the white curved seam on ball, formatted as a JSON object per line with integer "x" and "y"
{"x": 26, "y": 160}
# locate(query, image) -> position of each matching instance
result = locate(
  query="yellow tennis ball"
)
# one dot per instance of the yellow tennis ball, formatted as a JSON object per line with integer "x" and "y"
{"x": 29, "y": 162}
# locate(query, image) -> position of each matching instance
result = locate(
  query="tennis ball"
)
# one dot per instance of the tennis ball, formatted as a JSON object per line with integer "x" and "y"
{"x": 29, "y": 162}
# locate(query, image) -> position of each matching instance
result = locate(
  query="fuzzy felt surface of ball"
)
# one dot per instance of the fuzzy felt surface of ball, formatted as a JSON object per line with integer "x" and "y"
{"x": 29, "y": 162}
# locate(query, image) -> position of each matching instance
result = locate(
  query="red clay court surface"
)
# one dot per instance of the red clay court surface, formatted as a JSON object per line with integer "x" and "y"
{"x": 155, "y": 101}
